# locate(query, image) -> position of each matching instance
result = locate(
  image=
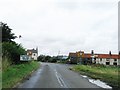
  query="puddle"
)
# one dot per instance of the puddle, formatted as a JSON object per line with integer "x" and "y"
{"x": 84, "y": 76}
{"x": 97, "y": 82}
{"x": 100, "y": 83}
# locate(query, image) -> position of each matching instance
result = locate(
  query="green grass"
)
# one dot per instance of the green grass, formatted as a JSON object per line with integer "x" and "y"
{"x": 6, "y": 62}
{"x": 16, "y": 73}
{"x": 0, "y": 79}
{"x": 108, "y": 74}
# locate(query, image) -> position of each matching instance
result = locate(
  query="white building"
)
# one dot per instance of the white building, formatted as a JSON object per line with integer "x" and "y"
{"x": 107, "y": 59}
{"x": 33, "y": 53}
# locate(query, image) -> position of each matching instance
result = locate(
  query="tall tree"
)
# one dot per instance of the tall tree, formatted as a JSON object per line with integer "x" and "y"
{"x": 7, "y": 35}
{"x": 10, "y": 48}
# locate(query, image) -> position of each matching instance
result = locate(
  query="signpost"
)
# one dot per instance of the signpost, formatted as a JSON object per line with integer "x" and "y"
{"x": 25, "y": 58}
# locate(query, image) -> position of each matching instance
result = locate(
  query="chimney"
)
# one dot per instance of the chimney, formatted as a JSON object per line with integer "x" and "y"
{"x": 110, "y": 53}
{"x": 92, "y": 52}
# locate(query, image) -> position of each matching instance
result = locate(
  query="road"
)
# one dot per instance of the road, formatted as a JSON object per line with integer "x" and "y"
{"x": 51, "y": 75}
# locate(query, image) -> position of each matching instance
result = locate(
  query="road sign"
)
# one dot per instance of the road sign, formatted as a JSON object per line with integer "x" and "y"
{"x": 25, "y": 58}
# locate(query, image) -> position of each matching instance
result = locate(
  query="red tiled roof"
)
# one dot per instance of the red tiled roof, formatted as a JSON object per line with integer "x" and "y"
{"x": 87, "y": 55}
{"x": 113, "y": 56}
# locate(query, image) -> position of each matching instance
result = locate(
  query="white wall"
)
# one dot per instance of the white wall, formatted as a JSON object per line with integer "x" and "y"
{"x": 118, "y": 61}
{"x": 104, "y": 60}
{"x": 34, "y": 56}
{"x": 98, "y": 61}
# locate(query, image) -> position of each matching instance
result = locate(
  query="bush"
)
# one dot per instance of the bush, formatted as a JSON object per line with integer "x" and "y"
{"x": 41, "y": 58}
{"x": 6, "y": 62}
{"x": 12, "y": 51}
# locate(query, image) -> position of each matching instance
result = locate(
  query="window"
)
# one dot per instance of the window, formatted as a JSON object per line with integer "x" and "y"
{"x": 115, "y": 60}
{"x": 107, "y": 63}
{"x": 114, "y": 63}
{"x": 34, "y": 54}
{"x": 100, "y": 59}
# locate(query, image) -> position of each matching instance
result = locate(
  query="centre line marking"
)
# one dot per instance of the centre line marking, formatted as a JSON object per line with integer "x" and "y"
{"x": 60, "y": 80}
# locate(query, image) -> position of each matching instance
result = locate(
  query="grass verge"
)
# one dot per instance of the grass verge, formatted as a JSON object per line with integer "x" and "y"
{"x": 108, "y": 74}
{"x": 16, "y": 73}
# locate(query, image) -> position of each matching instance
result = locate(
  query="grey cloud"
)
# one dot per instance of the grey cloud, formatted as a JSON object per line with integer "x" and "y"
{"x": 65, "y": 25}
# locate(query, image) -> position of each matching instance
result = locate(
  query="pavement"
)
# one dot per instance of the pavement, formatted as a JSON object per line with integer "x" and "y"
{"x": 52, "y": 75}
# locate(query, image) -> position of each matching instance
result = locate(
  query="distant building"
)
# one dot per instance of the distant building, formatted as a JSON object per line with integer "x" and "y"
{"x": 107, "y": 59}
{"x": 92, "y": 58}
{"x": 87, "y": 59}
{"x": 80, "y": 58}
{"x": 73, "y": 58}
{"x": 33, "y": 53}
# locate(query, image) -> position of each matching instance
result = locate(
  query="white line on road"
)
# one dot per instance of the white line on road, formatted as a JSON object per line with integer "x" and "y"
{"x": 60, "y": 80}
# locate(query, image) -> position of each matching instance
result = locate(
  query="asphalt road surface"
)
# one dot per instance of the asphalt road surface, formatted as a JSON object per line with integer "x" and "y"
{"x": 51, "y": 75}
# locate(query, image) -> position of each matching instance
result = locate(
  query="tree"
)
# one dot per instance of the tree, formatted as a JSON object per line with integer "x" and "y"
{"x": 54, "y": 59}
{"x": 47, "y": 58}
{"x": 12, "y": 51}
{"x": 7, "y": 35}
{"x": 41, "y": 58}
{"x": 10, "y": 48}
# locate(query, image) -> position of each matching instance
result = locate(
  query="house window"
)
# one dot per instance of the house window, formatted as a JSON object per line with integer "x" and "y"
{"x": 34, "y": 54}
{"x": 101, "y": 59}
{"x": 107, "y": 63}
{"x": 115, "y": 60}
{"x": 114, "y": 63}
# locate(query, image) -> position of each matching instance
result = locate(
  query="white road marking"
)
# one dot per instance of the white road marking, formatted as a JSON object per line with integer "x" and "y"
{"x": 60, "y": 80}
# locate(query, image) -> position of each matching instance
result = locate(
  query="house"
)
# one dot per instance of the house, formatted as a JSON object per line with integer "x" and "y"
{"x": 76, "y": 58}
{"x": 107, "y": 59}
{"x": 33, "y": 53}
{"x": 91, "y": 58}
{"x": 87, "y": 59}
{"x": 73, "y": 58}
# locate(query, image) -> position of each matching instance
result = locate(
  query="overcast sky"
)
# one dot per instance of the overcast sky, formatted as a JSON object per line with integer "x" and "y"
{"x": 63, "y": 25}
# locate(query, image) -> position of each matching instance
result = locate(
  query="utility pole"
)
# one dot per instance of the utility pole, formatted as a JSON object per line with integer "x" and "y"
{"x": 37, "y": 50}
{"x": 58, "y": 52}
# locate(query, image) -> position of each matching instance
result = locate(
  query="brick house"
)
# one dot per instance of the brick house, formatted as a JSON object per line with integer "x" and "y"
{"x": 73, "y": 58}
{"x": 80, "y": 58}
{"x": 87, "y": 59}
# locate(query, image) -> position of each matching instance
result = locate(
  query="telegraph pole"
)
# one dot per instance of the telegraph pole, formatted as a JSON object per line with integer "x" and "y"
{"x": 58, "y": 52}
